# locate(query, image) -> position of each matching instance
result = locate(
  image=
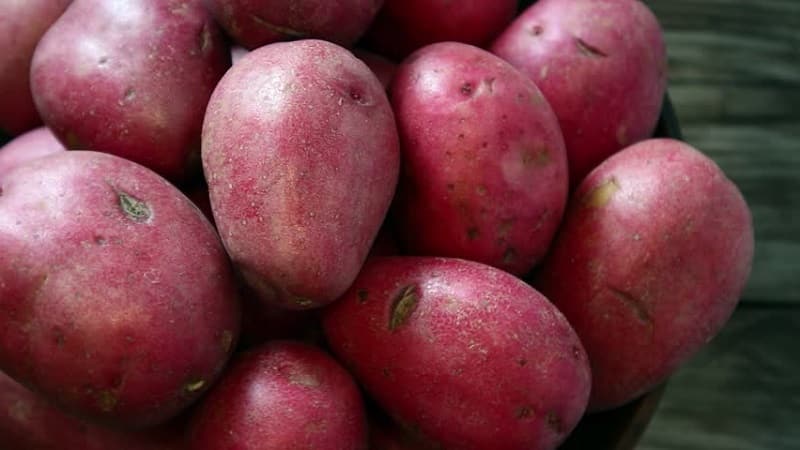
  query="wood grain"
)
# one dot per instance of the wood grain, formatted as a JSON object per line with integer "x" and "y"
{"x": 734, "y": 70}
{"x": 742, "y": 392}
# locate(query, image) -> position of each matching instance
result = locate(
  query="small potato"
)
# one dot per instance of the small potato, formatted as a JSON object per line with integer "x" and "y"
{"x": 29, "y": 422}
{"x": 601, "y": 64}
{"x": 25, "y": 147}
{"x": 301, "y": 154}
{"x": 22, "y": 24}
{"x": 117, "y": 300}
{"x": 403, "y": 26}
{"x": 484, "y": 173}
{"x": 253, "y": 24}
{"x": 281, "y": 396}
{"x": 655, "y": 249}
{"x": 467, "y": 355}
{"x": 132, "y": 78}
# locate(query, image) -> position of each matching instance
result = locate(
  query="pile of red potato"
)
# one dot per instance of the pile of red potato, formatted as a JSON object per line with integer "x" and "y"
{"x": 463, "y": 237}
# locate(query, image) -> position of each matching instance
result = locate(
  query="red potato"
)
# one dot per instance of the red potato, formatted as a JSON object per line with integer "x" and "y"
{"x": 601, "y": 64}
{"x": 380, "y": 66}
{"x": 654, "y": 252}
{"x": 28, "y": 422}
{"x": 25, "y": 147}
{"x": 403, "y": 26}
{"x": 131, "y": 77}
{"x": 102, "y": 311}
{"x": 281, "y": 396}
{"x": 301, "y": 154}
{"x": 469, "y": 356}
{"x": 254, "y": 23}
{"x": 22, "y": 24}
{"x": 484, "y": 174}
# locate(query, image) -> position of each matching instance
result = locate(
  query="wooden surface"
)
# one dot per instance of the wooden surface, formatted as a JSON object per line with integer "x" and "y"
{"x": 735, "y": 84}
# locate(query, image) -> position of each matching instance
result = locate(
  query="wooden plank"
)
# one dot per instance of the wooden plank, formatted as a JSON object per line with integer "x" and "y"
{"x": 742, "y": 392}
{"x": 735, "y": 84}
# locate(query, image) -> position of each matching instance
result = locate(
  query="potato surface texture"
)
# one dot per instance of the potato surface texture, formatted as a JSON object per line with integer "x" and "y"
{"x": 131, "y": 77}
{"x": 27, "y": 146}
{"x": 301, "y": 155}
{"x": 655, "y": 249}
{"x": 22, "y": 24}
{"x": 117, "y": 300}
{"x": 484, "y": 173}
{"x": 254, "y": 23}
{"x": 602, "y": 66}
{"x": 281, "y": 396}
{"x": 469, "y": 356}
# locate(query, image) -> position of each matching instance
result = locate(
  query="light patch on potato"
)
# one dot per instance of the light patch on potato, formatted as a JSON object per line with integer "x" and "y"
{"x": 194, "y": 385}
{"x": 601, "y": 194}
{"x": 403, "y": 306}
{"x": 135, "y": 209}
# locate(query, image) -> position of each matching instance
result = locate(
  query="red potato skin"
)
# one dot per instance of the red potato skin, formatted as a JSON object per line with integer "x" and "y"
{"x": 254, "y": 23}
{"x": 468, "y": 355}
{"x": 27, "y": 146}
{"x": 101, "y": 310}
{"x": 281, "y": 396}
{"x": 655, "y": 249}
{"x": 403, "y": 26}
{"x": 301, "y": 154}
{"x": 22, "y": 24}
{"x": 602, "y": 66}
{"x": 484, "y": 172}
{"x": 132, "y": 78}
{"x": 28, "y": 422}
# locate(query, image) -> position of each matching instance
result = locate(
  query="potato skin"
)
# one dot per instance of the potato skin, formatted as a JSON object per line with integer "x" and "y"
{"x": 301, "y": 154}
{"x": 29, "y": 422}
{"x": 117, "y": 300}
{"x": 254, "y": 23}
{"x": 132, "y": 78}
{"x": 655, "y": 249}
{"x": 281, "y": 396}
{"x": 468, "y": 355}
{"x": 403, "y": 26}
{"x": 27, "y": 146}
{"x": 484, "y": 173}
{"x": 601, "y": 64}
{"x": 22, "y": 25}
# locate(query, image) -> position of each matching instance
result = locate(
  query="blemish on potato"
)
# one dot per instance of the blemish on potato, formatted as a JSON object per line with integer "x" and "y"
{"x": 204, "y": 39}
{"x": 509, "y": 256}
{"x": 524, "y": 412}
{"x": 403, "y": 306}
{"x": 58, "y": 337}
{"x": 589, "y": 50}
{"x": 536, "y": 158}
{"x": 554, "y": 422}
{"x": 226, "y": 340}
{"x": 536, "y": 30}
{"x": 134, "y": 209}
{"x": 72, "y": 141}
{"x": 128, "y": 96}
{"x": 194, "y": 385}
{"x": 622, "y": 135}
{"x": 481, "y": 190}
{"x": 386, "y": 372}
{"x": 522, "y": 362}
{"x": 362, "y": 295}
{"x": 100, "y": 240}
{"x": 576, "y": 352}
{"x": 286, "y": 31}
{"x": 635, "y": 303}
{"x": 466, "y": 89}
{"x": 106, "y": 400}
{"x": 303, "y": 302}
{"x": 601, "y": 194}
{"x": 102, "y": 61}
{"x": 472, "y": 233}
{"x": 489, "y": 83}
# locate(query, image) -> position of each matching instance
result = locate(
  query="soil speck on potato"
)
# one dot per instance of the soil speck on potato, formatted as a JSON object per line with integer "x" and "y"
{"x": 472, "y": 233}
{"x": 106, "y": 400}
{"x": 601, "y": 194}
{"x": 363, "y": 295}
{"x": 403, "y": 306}
{"x": 524, "y": 412}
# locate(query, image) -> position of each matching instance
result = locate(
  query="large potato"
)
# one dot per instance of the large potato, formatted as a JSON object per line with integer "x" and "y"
{"x": 654, "y": 252}
{"x": 601, "y": 64}
{"x": 281, "y": 396}
{"x": 22, "y": 24}
{"x": 253, "y": 24}
{"x": 27, "y": 146}
{"x": 484, "y": 174}
{"x": 29, "y": 422}
{"x": 117, "y": 299}
{"x": 131, "y": 77}
{"x": 301, "y": 155}
{"x": 466, "y": 355}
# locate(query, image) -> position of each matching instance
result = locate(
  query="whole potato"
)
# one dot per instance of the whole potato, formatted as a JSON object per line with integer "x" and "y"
{"x": 254, "y": 23}
{"x": 403, "y": 26}
{"x": 131, "y": 77}
{"x": 467, "y": 355}
{"x": 601, "y": 64}
{"x": 484, "y": 173}
{"x": 27, "y": 146}
{"x": 301, "y": 154}
{"x": 117, "y": 300}
{"x": 281, "y": 396}
{"x": 655, "y": 249}
{"x": 22, "y": 24}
